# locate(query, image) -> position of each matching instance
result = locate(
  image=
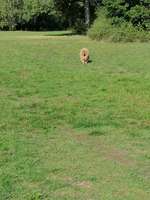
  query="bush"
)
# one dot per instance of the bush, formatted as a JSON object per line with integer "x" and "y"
{"x": 128, "y": 33}
{"x": 104, "y": 29}
{"x": 101, "y": 29}
{"x": 137, "y": 12}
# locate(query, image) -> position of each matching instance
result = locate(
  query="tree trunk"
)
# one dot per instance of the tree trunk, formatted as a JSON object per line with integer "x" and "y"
{"x": 87, "y": 13}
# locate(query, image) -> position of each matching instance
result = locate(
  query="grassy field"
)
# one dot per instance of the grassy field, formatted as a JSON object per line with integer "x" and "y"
{"x": 70, "y": 131}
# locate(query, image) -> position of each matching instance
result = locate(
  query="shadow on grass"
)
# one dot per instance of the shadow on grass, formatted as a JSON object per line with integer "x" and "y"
{"x": 60, "y": 33}
{"x": 97, "y": 133}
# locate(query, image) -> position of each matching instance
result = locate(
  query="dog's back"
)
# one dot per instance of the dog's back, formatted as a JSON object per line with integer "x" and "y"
{"x": 84, "y": 55}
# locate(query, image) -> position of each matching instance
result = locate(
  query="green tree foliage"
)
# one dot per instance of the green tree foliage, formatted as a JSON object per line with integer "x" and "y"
{"x": 78, "y": 13}
{"x": 137, "y": 12}
{"x": 58, "y": 14}
{"x": 10, "y": 13}
{"x": 40, "y": 14}
{"x": 122, "y": 20}
{"x": 71, "y": 10}
{"x": 29, "y": 14}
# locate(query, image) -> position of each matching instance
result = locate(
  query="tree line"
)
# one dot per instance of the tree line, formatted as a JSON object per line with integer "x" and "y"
{"x": 76, "y": 14}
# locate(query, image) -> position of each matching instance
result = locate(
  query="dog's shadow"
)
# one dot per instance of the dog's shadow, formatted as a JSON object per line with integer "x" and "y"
{"x": 90, "y": 61}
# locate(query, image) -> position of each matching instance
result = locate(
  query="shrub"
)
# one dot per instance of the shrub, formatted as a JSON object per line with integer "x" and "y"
{"x": 128, "y": 33}
{"x": 101, "y": 29}
{"x": 105, "y": 29}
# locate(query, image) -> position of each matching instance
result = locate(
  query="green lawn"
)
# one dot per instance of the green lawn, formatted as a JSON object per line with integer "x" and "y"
{"x": 70, "y": 131}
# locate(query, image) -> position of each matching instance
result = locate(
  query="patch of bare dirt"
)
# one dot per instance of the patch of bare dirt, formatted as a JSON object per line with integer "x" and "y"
{"x": 120, "y": 156}
{"x": 83, "y": 184}
{"x": 97, "y": 145}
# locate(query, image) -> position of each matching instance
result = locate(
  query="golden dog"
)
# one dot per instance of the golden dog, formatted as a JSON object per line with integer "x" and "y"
{"x": 84, "y": 55}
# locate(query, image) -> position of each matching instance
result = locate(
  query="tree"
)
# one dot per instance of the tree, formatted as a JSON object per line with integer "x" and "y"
{"x": 69, "y": 9}
{"x": 137, "y": 12}
{"x": 87, "y": 13}
{"x": 77, "y": 11}
{"x": 29, "y": 15}
{"x": 10, "y": 13}
{"x": 87, "y": 5}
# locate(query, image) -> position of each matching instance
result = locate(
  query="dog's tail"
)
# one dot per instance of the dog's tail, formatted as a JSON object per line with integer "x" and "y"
{"x": 84, "y": 52}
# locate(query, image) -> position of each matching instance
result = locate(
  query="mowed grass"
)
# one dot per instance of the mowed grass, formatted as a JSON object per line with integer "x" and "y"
{"x": 70, "y": 131}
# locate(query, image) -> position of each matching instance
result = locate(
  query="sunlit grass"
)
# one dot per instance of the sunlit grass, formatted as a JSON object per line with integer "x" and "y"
{"x": 71, "y": 131}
